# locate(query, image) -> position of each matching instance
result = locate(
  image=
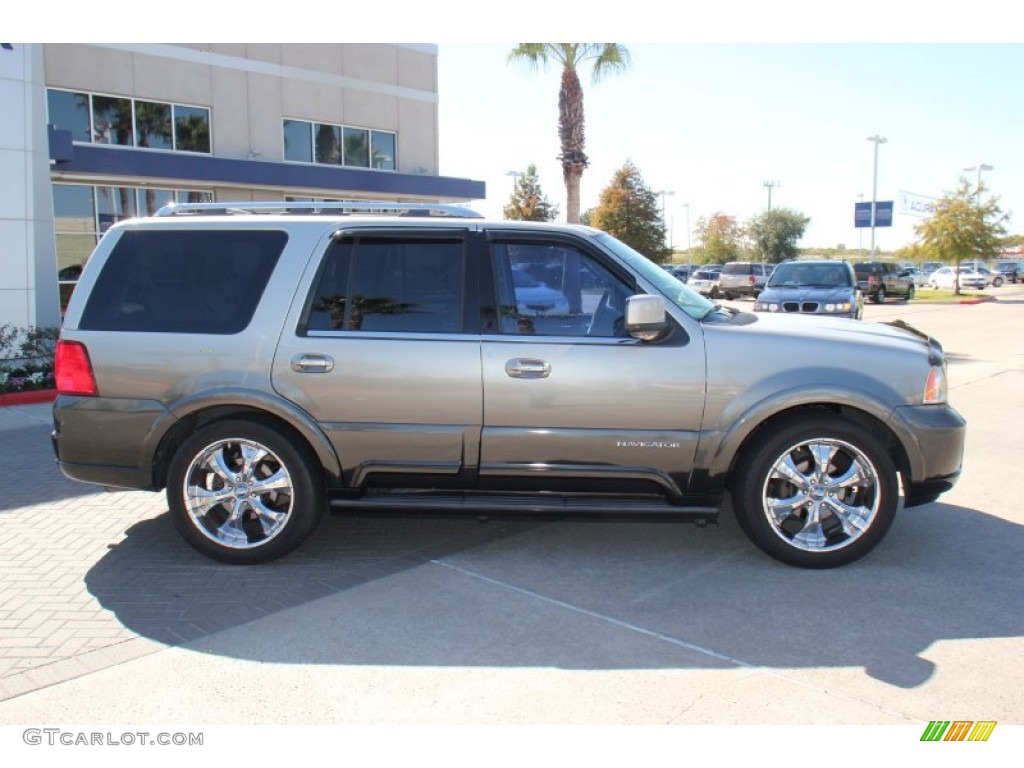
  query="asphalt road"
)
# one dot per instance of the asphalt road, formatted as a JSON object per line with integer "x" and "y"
{"x": 106, "y": 617}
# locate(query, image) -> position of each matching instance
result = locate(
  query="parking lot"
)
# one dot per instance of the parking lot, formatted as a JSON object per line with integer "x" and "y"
{"x": 106, "y": 616}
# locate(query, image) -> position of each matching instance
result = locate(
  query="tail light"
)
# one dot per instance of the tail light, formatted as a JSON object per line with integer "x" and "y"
{"x": 752, "y": 280}
{"x": 73, "y": 369}
{"x": 873, "y": 280}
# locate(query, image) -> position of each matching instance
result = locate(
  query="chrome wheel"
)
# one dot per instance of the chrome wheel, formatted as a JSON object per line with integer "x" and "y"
{"x": 238, "y": 493}
{"x": 244, "y": 491}
{"x": 815, "y": 490}
{"x": 821, "y": 495}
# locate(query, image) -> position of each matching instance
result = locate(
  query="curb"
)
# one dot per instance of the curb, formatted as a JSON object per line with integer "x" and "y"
{"x": 979, "y": 300}
{"x": 32, "y": 397}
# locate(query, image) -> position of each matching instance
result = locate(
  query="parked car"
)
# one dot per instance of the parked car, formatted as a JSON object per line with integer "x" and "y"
{"x": 918, "y": 276}
{"x": 705, "y": 282}
{"x": 260, "y": 364}
{"x": 743, "y": 278}
{"x": 993, "y": 277}
{"x": 813, "y": 287}
{"x": 679, "y": 271}
{"x": 946, "y": 277}
{"x": 878, "y": 280}
{"x": 1012, "y": 271}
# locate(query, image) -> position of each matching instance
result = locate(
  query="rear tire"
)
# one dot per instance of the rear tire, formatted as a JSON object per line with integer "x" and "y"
{"x": 879, "y": 296}
{"x": 815, "y": 491}
{"x": 243, "y": 492}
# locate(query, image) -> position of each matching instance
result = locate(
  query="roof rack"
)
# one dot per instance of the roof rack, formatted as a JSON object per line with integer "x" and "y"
{"x": 334, "y": 208}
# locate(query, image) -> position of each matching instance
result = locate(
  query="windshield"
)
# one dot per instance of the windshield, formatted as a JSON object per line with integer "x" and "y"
{"x": 687, "y": 299}
{"x": 794, "y": 275}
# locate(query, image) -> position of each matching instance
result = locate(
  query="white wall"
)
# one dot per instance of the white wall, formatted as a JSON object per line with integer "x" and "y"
{"x": 28, "y": 261}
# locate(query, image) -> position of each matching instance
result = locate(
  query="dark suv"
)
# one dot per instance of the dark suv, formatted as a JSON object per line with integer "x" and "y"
{"x": 263, "y": 362}
{"x": 879, "y": 280}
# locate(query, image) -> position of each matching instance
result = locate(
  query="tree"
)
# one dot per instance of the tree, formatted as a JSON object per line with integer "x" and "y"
{"x": 721, "y": 238}
{"x": 776, "y": 233}
{"x": 528, "y": 202}
{"x": 605, "y": 58}
{"x": 628, "y": 210}
{"x": 962, "y": 228}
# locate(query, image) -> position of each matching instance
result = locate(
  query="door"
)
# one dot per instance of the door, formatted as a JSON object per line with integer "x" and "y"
{"x": 381, "y": 359}
{"x": 571, "y": 401}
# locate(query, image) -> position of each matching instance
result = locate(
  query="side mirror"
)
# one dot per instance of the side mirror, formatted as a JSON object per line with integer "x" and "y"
{"x": 645, "y": 317}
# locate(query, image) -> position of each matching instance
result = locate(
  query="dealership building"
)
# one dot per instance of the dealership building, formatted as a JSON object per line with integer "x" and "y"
{"x": 97, "y": 133}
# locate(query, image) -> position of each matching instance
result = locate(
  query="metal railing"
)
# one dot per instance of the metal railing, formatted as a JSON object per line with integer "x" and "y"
{"x": 334, "y": 208}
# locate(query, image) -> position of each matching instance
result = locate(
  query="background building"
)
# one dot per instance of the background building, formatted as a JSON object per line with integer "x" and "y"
{"x": 101, "y": 132}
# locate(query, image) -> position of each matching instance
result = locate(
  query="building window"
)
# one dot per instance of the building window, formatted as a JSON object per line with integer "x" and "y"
{"x": 298, "y": 141}
{"x": 70, "y": 112}
{"x": 99, "y": 119}
{"x": 153, "y": 125}
{"x": 329, "y": 144}
{"x": 357, "y": 147}
{"x": 82, "y": 213}
{"x": 382, "y": 150}
{"x": 191, "y": 129}
{"x": 111, "y": 120}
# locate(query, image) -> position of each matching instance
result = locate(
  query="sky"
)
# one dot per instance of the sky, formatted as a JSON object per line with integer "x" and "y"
{"x": 713, "y": 122}
{"x": 721, "y": 97}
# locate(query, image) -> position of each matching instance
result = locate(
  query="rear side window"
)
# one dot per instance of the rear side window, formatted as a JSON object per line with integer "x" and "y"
{"x": 390, "y": 285}
{"x": 191, "y": 281}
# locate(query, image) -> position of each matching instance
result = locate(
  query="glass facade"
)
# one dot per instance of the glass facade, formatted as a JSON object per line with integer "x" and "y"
{"x": 98, "y": 119}
{"x": 329, "y": 144}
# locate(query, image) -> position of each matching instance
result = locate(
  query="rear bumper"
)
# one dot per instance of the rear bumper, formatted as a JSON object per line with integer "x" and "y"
{"x": 104, "y": 440}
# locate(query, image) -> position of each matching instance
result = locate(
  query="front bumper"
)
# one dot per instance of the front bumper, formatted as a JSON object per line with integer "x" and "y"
{"x": 933, "y": 436}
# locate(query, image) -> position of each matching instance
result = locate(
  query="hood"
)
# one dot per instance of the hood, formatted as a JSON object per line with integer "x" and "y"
{"x": 780, "y": 294}
{"x": 840, "y": 331}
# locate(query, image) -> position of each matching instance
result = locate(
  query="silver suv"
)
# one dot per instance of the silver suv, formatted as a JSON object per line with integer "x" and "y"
{"x": 263, "y": 362}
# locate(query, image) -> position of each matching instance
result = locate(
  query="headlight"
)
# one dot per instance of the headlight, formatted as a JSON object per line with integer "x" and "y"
{"x": 762, "y": 307}
{"x": 936, "y": 389}
{"x": 843, "y": 306}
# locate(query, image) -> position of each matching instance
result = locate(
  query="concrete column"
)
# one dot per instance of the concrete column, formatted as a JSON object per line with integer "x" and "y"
{"x": 28, "y": 254}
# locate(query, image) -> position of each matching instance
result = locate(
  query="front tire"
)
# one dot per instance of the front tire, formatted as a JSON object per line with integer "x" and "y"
{"x": 815, "y": 491}
{"x": 910, "y": 294}
{"x": 242, "y": 492}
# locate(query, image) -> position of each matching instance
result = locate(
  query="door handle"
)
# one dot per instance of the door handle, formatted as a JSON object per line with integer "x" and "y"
{"x": 527, "y": 368}
{"x": 309, "y": 363}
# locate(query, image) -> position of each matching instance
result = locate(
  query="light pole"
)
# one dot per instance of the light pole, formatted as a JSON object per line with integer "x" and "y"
{"x": 771, "y": 185}
{"x": 860, "y": 233}
{"x": 979, "y": 168}
{"x": 689, "y": 256}
{"x": 515, "y": 178}
{"x": 665, "y": 193}
{"x": 874, "y": 188}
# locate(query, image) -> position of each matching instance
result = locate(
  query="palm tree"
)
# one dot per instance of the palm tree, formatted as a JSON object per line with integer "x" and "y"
{"x": 605, "y": 58}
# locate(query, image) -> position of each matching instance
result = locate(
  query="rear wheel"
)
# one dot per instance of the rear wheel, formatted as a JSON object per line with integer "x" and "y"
{"x": 880, "y": 295}
{"x": 910, "y": 293}
{"x": 243, "y": 493}
{"x": 816, "y": 491}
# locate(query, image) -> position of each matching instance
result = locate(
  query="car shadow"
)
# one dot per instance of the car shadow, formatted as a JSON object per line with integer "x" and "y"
{"x": 28, "y": 458}
{"x": 577, "y": 595}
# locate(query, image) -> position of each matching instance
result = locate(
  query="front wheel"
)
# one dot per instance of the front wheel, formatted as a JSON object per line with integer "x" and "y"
{"x": 910, "y": 294}
{"x": 242, "y": 492}
{"x": 815, "y": 491}
{"x": 997, "y": 283}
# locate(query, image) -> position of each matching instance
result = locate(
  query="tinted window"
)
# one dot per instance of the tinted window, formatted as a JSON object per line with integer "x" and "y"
{"x": 183, "y": 282}
{"x": 389, "y": 285}
{"x": 191, "y": 129}
{"x": 555, "y": 290}
{"x": 736, "y": 269}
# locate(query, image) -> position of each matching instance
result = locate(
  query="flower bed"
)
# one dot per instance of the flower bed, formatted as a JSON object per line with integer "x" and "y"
{"x": 26, "y": 360}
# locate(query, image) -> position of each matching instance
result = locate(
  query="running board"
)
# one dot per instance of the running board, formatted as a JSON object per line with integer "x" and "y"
{"x": 511, "y": 504}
